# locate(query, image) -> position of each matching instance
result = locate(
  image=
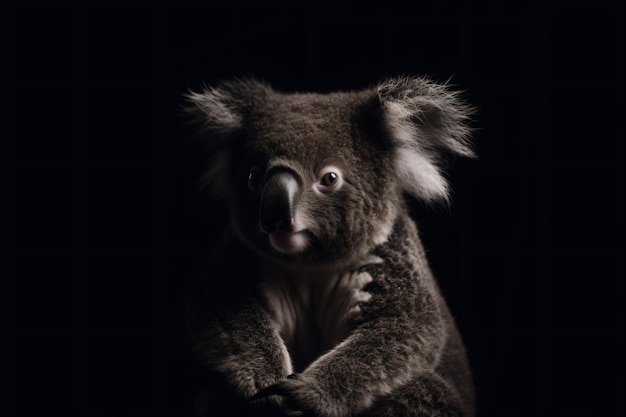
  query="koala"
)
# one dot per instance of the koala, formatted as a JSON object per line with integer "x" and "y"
{"x": 319, "y": 300}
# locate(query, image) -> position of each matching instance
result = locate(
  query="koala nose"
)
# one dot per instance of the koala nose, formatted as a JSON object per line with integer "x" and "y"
{"x": 278, "y": 201}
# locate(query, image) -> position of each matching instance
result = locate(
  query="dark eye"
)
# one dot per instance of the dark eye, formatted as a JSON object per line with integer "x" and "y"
{"x": 254, "y": 179}
{"x": 330, "y": 179}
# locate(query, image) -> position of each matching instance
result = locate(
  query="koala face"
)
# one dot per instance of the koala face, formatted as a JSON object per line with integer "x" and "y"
{"x": 311, "y": 182}
{"x": 317, "y": 178}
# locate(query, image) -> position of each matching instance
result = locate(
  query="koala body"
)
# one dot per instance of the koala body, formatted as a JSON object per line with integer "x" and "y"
{"x": 320, "y": 300}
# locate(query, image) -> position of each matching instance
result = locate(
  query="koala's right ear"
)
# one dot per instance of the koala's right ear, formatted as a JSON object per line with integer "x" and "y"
{"x": 221, "y": 113}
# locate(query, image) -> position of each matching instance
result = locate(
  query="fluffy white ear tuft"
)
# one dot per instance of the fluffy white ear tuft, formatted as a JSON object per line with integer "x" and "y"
{"x": 419, "y": 176}
{"x": 215, "y": 109}
{"x": 221, "y": 110}
{"x": 426, "y": 121}
{"x": 219, "y": 116}
{"x": 221, "y": 113}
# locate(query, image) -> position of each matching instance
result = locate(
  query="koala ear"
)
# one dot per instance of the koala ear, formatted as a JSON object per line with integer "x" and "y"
{"x": 221, "y": 110}
{"x": 426, "y": 121}
{"x": 221, "y": 113}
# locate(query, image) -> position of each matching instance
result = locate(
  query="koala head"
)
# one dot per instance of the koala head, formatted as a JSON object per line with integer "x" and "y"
{"x": 316, "y": 178}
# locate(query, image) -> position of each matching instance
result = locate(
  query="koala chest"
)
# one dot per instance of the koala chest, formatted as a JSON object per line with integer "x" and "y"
{"x": 314, "y": 312}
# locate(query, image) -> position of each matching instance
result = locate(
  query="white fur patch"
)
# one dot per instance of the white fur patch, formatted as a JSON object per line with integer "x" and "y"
{"x": 385, "y": 230}
{"x": 416, "y": 172}
{"x": 287, "y": 358}
{"x": 356, "y": 282}
{"x": 425, "y": 120}
{"x": 419, "y": 176}
{"x": 311, "y": 310}
{"x": 214, "y": 105}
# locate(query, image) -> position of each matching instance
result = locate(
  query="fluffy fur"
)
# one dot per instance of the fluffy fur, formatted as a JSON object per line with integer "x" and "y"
{"x": 320, "y": 301}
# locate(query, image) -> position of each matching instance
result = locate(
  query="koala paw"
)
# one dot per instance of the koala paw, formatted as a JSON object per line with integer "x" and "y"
{"x": 303, "y": 396}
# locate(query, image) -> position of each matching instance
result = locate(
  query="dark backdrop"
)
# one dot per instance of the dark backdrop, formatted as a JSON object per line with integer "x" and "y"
{"x": 104, "y": 228}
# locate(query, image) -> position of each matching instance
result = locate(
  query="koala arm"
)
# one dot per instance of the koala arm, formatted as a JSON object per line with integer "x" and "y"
{"x": 400, "y": 334}
{"x": 240, "y": 343}
{"x": 231, "y": 332}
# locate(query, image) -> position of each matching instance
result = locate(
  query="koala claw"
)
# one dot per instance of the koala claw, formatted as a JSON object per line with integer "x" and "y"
{"x": 296, "y": 400}
{"x": 274, "y": 389}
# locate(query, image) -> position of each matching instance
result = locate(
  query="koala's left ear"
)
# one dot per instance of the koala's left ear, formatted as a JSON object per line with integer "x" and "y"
{"x": 425, "y": 121}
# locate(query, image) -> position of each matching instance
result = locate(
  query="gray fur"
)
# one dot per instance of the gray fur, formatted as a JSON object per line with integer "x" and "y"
{"x": 338, "y": 314}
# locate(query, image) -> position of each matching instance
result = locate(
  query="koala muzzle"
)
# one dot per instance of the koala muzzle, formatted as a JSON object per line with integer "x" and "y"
{"x": 278, "y": 201}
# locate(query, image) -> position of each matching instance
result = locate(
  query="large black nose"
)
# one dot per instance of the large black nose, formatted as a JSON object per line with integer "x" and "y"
{"x": 278, "y": 201}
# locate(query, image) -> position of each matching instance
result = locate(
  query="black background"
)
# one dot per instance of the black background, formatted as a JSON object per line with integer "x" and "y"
{"x": 104, "y": 226}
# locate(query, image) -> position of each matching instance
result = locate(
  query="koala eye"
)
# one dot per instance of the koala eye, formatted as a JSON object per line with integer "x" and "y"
{"x": 254, "y": 179}
{"x": 330, "y": 179}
